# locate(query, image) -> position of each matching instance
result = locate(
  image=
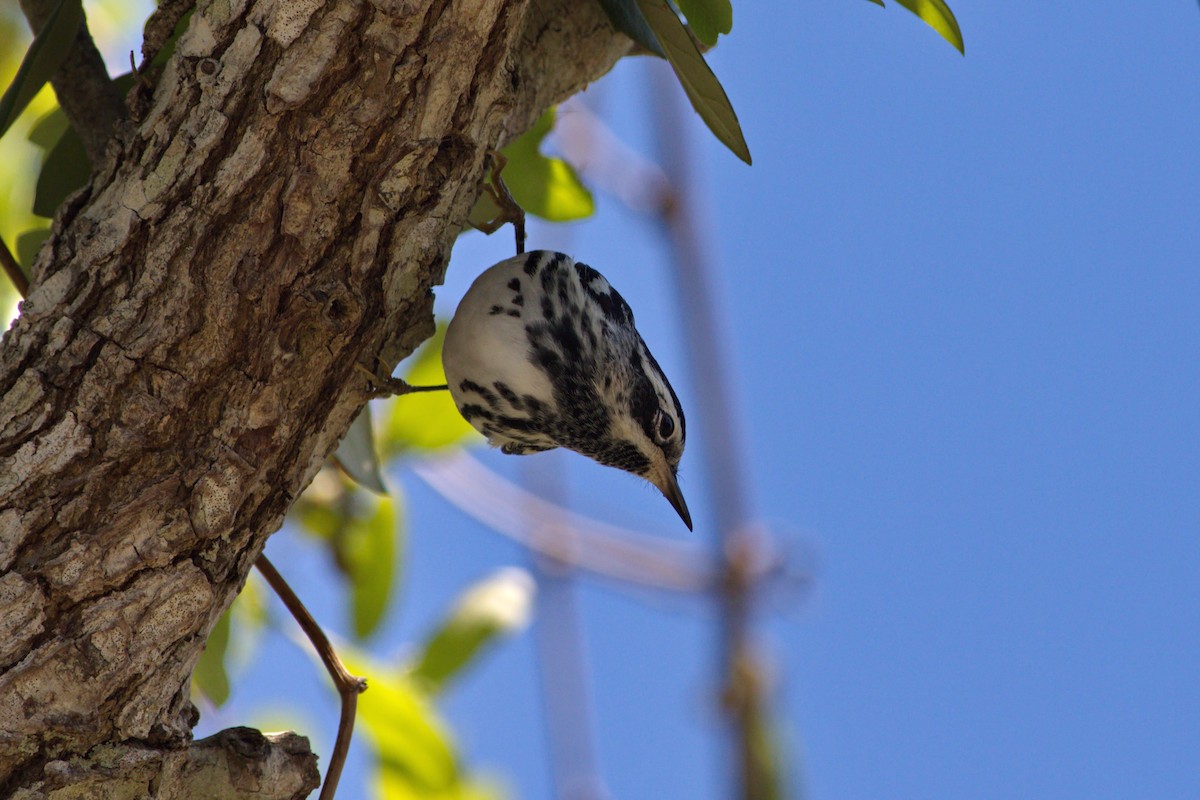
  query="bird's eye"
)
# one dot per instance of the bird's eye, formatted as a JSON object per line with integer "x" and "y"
{"x": 666, "y": 426}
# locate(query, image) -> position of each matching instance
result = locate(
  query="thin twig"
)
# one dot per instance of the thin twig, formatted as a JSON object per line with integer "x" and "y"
{"x": 349, "y": 686}
{"x": 13, "y": 270}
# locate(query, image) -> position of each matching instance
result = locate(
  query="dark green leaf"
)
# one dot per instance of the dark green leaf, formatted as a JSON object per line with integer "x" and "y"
{"x": 493, "y": 607}
{"x": 627, "y": 18}
{"x": 369, "y": 553}
{"x": 46, "y": 132}
{"x": 702, "y": 87}
{"x": 210, "y": 677}
{"x": 168, "y": 49}
{"x": 43, "y": 58}
{"x": 938, "y": 16}
{"x": 356, "y": 454}
{"x": 707, "y": 18}
{"x": 66, "y": 167}
{"x": 28, "y": 245}
{"x": 877, "y": 2}
{"x": 65, "y": 170}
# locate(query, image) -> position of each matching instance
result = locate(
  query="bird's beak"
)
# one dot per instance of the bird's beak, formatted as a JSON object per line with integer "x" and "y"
{"x": 670, "y": 489}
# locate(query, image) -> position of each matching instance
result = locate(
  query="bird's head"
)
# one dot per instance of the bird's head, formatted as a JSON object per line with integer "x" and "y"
{"x": 648, "y": 430}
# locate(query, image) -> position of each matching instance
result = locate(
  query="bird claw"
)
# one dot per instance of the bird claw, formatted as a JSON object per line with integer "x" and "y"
{"x": 390, "y": 386}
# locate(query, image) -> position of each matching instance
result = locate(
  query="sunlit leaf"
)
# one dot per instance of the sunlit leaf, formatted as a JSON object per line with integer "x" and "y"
{"x": 545, "y": 187}
{"x": 937, "y": 15}
{"x": 698, "y": 81}
{"x": 210, "y": 677}
{"x": 707, "y": 18}
{"x": 496, "y": 606}
{"x": 368, "y": 552}
{"x": 627, "y": 18}
{"x": 424, "y": 421}
{"x": 413, "y": 744}
{"x": 356, "y": 453}
{"x": 43, "y": 58}
{"x": 28, "y": 245}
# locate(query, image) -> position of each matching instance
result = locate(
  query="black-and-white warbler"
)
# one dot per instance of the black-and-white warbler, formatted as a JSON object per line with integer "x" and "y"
{"x": 543, "y": 353}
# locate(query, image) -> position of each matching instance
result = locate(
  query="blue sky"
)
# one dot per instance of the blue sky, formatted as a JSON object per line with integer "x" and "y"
{"x": 960, "y": 297}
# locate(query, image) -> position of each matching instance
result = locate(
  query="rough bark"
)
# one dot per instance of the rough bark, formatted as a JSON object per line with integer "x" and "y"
{"x": 186, "y": 358}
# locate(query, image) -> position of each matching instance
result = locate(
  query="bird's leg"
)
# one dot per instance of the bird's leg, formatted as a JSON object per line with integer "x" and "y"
{"x": 388, "y": 386}
{"x": 349, "y": 687}
{"x": 510, "y": 209}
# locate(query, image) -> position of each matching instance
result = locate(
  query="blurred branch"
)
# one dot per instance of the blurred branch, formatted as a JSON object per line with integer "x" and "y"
{"x": 608, "y": 163}
{"x": 562, "y": 661}
{"x": 86, "y": 93}
{"x": 740, "y": 545}
{"x": 562, "y": 535}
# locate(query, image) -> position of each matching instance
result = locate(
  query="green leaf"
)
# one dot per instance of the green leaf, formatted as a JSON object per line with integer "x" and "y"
{"x": 707, "y": 18}
{"x": 496, "y": 606}
{"x": 43, "y": 58}
{"x": 210, "y": 677}
{"x": 65, "y": 170}
{"x": 938, "y": 16}
{"x": 702, "y": 87}
{"x": 356, "y": 454}
{"x": 415, "y": 749}
{"x": 368, "y": 553}
{"x": 46, "y": 132}
{"x": 627, "y": 18}
{"x": 543, "y": 186}
{"x": 28, "y": 245}
{"x": 426, "y": 421}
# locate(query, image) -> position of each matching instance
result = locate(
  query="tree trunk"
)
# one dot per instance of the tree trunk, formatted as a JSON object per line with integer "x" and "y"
{"x": 187, "y": 356}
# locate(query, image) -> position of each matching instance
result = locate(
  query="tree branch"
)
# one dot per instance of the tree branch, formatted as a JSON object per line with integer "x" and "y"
{"x": 186, "y": 358}
{"x": 235, "y": 764}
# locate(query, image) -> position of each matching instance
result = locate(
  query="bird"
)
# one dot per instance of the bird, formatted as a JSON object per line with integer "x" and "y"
{"x": 542, "y": 352}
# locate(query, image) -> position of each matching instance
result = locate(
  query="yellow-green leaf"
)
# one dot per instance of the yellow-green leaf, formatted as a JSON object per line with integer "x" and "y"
{"x": 424, "y": 420}
{"x": 496, "y": 606}
{"x": 43, "y": 58}
{"x": 707, "y": 18}
{"x": 698, "y": 81}
{"x": 368, "y": 551}
{"x": 937, "y": 15}
{"x": 545, "y": 187}
{"x": 210, "y": 677}
{"x": 414, "y": 746}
